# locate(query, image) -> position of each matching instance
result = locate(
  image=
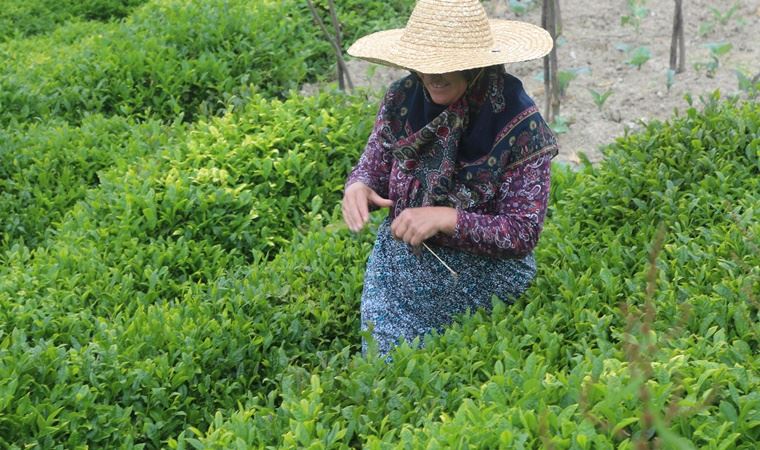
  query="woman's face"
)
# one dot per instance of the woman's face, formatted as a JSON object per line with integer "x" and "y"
{"x": 445, "y": 88}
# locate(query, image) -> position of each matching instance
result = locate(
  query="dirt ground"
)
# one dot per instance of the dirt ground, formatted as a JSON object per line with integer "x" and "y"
{"x": 594, "y": 45}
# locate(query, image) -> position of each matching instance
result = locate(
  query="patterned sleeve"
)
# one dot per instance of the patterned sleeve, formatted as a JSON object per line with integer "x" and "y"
{"x": 514, "y": 229}
{"x": 374, "y": 166}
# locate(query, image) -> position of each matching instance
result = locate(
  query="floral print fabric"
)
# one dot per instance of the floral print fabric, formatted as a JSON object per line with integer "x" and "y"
{"x": 488, "y": 155}
{"x": 500, "y": 196}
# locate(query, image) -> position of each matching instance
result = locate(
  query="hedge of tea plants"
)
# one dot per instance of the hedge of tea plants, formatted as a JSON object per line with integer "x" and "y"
{"x": 630, "y": 336}
{"x": 183, "y": 225}
{"x": 174, "y": 272}
{"x": 205, "y": 295}
{"x": 21, "y": 18}
{"x": 171, "y": 59}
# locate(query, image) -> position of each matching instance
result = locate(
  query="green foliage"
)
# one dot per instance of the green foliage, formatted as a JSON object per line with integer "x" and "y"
{"x": 520, "y": 7}
{"x": 359, "y": 17}
{"x": 560, "y": 125}
{"x": 172, "y": 59}
{"x": 566, "y": 366}
{"x": 637, "y": 11}
{"x": 20, "y": 18}
{"x": 719, "y": 17}
{"x": 748, "y": 84}
{"x": 670, "y": 78}
{"x": 639, "y": 57}
{"x": 170, "y": 285}
{"x": 600, "y": 98}
{"x": 133, "y": 319}
{"x": 565, "y": 77}
{"x": 46, "y": 169}
{"x": 725, "y": 15}
{"x": 717, "y": 50}
{"x": 150, "y": 318}
{"x": 169, "y": 59}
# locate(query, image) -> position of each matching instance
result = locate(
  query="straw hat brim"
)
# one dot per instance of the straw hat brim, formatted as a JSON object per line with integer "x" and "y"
{"x": 514, "y": 41}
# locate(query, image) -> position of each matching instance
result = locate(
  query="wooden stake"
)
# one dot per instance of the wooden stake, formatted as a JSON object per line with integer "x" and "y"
{"x": 678, "y": 43}
{"x": 547, "y": 66}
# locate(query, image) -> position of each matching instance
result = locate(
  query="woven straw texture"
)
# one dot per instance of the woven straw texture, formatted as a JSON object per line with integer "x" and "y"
{"x": 449, "y": 35}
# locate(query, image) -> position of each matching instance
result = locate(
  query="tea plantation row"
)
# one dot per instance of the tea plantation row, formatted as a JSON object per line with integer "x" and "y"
{"x": 173, "y": 59}
{"x": 173, "y": 271}
{"x": 22, "y": 18}
{"x": 204, "y": 295}
{"x": 602, "y": 352}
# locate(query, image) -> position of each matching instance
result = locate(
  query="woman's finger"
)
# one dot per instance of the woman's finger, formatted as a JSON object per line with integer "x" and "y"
{"x": 363, "y": 209}
{"x": 378, "y": 201}
{"x": 401, "y": 227}
{"x": 358, "y": 211}
{"x": 349, "y": 212}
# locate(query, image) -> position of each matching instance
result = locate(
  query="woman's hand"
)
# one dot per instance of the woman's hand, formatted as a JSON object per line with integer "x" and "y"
{"x": 414, "y": 225}
{"x": 356, "y": 201}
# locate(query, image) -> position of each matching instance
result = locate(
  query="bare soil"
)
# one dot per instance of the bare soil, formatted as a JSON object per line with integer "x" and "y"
{"x": 592, "y": 44}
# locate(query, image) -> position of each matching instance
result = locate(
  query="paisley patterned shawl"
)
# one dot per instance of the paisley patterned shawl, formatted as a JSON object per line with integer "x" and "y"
{"x": 456, "y": 155}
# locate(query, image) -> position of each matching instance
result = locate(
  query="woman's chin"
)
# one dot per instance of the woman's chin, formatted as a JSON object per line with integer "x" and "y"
{"x": 441, "y": 99}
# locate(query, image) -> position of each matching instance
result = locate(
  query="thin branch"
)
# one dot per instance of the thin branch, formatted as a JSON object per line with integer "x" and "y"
{"x": 338, "y": 50}
{"x": 339, "y": 41}
{"x": 454, "y": 274}
{"x": 674, "y": 40}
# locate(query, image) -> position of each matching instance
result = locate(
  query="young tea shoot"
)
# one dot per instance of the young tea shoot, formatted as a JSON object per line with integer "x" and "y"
{"x": 670, "y": 78}
{"x": 636, "y": 12}
{"x": 719, "y": 17}
{"x": 520, "y": 7}
{"x": 748, "y": 84}
{"x": 639, "y": 57}
{"x": 600, "y": 98}
{"x": 717, "y": 50}
{"x": 560, "y": 125}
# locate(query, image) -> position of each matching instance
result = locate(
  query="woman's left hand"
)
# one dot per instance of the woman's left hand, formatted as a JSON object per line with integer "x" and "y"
{"x": 414, "y": 225}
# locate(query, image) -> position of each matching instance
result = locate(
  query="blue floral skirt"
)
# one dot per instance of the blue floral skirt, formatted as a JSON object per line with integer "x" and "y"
{"x": 407, "y": 295}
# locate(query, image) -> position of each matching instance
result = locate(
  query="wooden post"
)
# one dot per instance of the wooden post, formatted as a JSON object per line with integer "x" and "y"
{"x": 677, "y": 43}
{"x": 551, "y": 84}
{"x": 554, "y": 63}
{"x": 547, "y": 66}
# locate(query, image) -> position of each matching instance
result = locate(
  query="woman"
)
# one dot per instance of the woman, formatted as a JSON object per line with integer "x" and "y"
{"x": 461, "y": 156}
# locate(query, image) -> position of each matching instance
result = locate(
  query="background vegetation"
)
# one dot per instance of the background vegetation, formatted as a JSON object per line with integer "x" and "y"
{"x": 173, "y": 272}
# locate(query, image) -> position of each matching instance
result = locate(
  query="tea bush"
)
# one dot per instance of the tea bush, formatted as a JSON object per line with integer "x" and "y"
{"x": 190, "y": 285}
{"x": 45, "y": 169}
{"x": 127, "y": 327}
{"x": 586, "y": 359}
{"x": 172, "y": 59}
{"x": 167, "y": 59}
{"x": 141, "y": 299}
{"x": 19, "y": 19}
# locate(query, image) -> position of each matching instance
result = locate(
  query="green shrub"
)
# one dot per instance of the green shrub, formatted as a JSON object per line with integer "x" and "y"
{"x": 151, "y": 367}
{"x": 45, "y": 169}
{"x": 586, "y": 358}
{"x": 21, "y": 18}
{"x": 359, "y": 17}
{"x": 171, "y": 59}
{"x": 152, "y": 304}
{"x": 168, "y": 59}
{"x": 200, "y": 294}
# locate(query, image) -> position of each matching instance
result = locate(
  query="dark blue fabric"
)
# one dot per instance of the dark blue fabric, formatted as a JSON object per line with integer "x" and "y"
{"x": 486, "y": 119}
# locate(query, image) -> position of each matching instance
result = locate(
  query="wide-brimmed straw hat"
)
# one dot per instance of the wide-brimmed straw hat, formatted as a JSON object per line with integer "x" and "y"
{"x": 450, "y": 35}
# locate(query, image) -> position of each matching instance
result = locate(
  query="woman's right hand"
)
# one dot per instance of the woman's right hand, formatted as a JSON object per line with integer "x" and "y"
{"x": 356, "y": 202}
